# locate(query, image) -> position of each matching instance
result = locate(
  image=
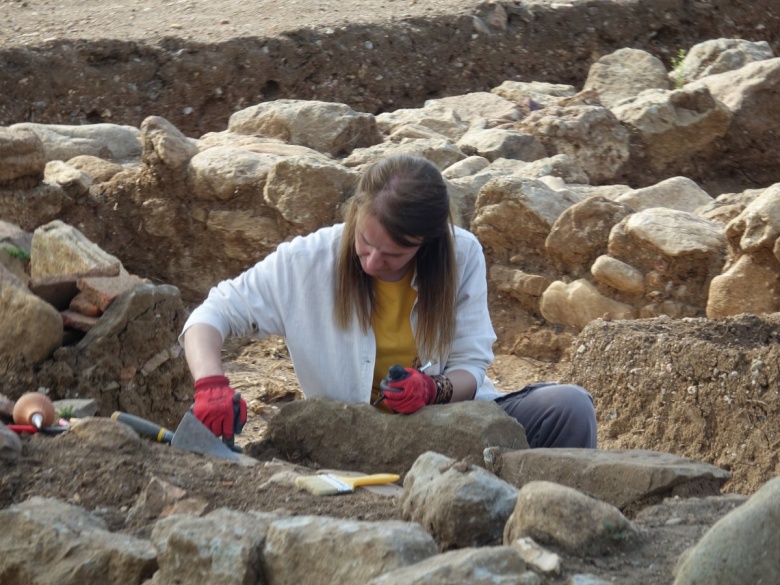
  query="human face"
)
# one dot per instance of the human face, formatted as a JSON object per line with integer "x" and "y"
{"x": 379, "y": 255}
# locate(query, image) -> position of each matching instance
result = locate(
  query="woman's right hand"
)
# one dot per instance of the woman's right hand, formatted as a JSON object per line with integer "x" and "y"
{"x": 215, "y": 403}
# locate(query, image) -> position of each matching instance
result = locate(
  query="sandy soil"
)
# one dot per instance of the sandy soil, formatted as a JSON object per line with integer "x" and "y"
{"x": 30, "y": 22}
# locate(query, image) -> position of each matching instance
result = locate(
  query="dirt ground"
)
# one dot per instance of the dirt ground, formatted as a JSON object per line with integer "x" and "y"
{"x": 29, "y": 22}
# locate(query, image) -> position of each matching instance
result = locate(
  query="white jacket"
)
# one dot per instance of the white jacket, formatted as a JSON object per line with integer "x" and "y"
{"x": 291, "y": 293}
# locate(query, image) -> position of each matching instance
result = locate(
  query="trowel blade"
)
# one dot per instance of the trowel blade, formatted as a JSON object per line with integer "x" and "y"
{"x": 191, "y": 435}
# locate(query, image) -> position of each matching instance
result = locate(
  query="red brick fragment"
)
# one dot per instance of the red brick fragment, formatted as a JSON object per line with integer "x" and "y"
{"x": 102, "y": 290}
{"x": 82, "y": 304}
{"x": 73, "y": 320}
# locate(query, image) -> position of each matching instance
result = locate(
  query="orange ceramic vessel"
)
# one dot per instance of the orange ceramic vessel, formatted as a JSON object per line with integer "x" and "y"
{"x": 34, "y": 408}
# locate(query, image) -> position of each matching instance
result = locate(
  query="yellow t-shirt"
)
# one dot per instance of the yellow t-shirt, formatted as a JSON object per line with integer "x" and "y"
{"x": 392, "y": 328}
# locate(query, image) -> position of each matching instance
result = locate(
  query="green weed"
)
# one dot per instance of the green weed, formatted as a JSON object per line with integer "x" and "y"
{"x": 677, "y": 63}
{"x": 16, "y": 252}
{"x": 66, "y": 412}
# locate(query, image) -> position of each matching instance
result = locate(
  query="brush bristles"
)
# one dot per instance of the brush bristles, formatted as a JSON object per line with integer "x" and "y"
{"x": 323, "y": 485}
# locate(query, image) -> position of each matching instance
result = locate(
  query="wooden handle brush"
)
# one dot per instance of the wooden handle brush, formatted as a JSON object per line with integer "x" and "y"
{"x": 332, "y": 485}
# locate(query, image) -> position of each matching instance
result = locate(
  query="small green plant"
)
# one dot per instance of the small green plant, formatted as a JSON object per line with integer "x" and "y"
{"x": 66, "y": 412}
{"x": 17, "y": 252}
{"x": 677, "y": 68}
{"x": 617, "y": 533}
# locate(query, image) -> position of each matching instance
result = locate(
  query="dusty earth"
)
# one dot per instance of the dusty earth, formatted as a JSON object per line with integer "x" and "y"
{"x": 108, "y": 483}
{"x": 31, "y": 22}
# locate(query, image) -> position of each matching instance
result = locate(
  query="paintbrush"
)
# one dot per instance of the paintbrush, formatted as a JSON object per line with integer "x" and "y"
{"x": 332, "y": 485}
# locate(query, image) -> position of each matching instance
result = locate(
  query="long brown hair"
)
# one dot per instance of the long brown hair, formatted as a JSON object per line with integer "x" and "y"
{"x": 409, "y": 198}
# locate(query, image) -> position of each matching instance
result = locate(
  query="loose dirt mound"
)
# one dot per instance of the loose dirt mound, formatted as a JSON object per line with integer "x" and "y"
{"x": 704, "y": 389}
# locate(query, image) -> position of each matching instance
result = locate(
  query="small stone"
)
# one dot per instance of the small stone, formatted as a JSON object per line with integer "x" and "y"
{"x": 10, "y": 444}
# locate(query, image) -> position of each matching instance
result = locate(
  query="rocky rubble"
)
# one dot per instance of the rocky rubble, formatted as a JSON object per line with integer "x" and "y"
{"x": 542, "y": 175}
{"x": 80, "y": 325}
{"x": 455, "y": 520}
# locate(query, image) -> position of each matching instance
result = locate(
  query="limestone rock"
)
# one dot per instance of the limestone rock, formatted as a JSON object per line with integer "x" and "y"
{"x": 164, "y": 145}
{"x": 308, "y": 192}
{"x": 493, "y": 143}
{"x": 21, "y": 158}
{"x": 79, "y": 407}
{"x": 518, "y": 284}
{"x": 591, "y": 135}
{"x": 32, "y": 327}
{"x": 441, "y": 153}
{"x": 466, "y": 167}
{"x": 558, "y": 515}
{"x": 746, "y": 92}
{"x": 74, "y": 182}
{"x": 59, "y": 248}
{"x": 618, "y": 275}
{"x": 331, "y": 128}
{"x": 578, "y": 303}
{"x": 416, "y": 132}
{"x": 515, "y": 215}
{"x": 750, "y": 285}
{"x": 534, "y": 94}
{"x": 229, "y": 547}
{"x": 110, "y": 363}
{"x": 540, "y": 559}
{"x": 737, "y": 548}
{"x": 757, "y": 227}
{"x": 715, "y": 56}
{"x": 674, "y": 125}
{"x": 157, "y": 497}
{"x": 78, "y": 544}
{"x": 460, "y": 505}
{"x": 97, "y": 169}
{"x": 15, "y": 246}
{"x": 435, "y": 116}
{"x": 108, "y": 141}
{"x": 678, "y": 193}
{"x": 258, "y": 144}
{"x": 727, "y": 206}
{"x": 226, "y": 172}
{"x": 624, "y": 74}
{"x": 678, "y": 252}
{"x": 314, "y": 550}
{"x": 480, "y": 106}
{"x": 623, "y": 478}
{"x": 31, "y": 208}
{"x": 459, "y": 430}
{"x": 106, "y": 434}
{"x": 581, "y": 233}
{"x": 561, "y": 166}
{"x": 497, "y": 565}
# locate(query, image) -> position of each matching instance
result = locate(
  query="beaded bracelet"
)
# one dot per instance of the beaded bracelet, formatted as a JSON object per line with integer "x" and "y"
{"x": 443, "y": 389}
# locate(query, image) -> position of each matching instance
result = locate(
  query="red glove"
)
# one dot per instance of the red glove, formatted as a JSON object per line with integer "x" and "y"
{"x": 409, "y": 393}
{"x": 217, "y": 408}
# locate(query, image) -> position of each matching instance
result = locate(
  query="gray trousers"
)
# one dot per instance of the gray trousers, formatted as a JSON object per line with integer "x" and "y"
{"x": 553, "y": 415}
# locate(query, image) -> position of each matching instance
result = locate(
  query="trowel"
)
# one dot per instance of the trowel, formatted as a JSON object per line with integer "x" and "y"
{"x": 191, "y": 435}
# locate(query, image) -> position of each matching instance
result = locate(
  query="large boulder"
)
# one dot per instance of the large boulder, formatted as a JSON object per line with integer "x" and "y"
{"x": 460, "y": 430}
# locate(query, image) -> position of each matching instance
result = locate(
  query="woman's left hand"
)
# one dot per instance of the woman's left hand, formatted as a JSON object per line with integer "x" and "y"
{"x": 409, "y": 394}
